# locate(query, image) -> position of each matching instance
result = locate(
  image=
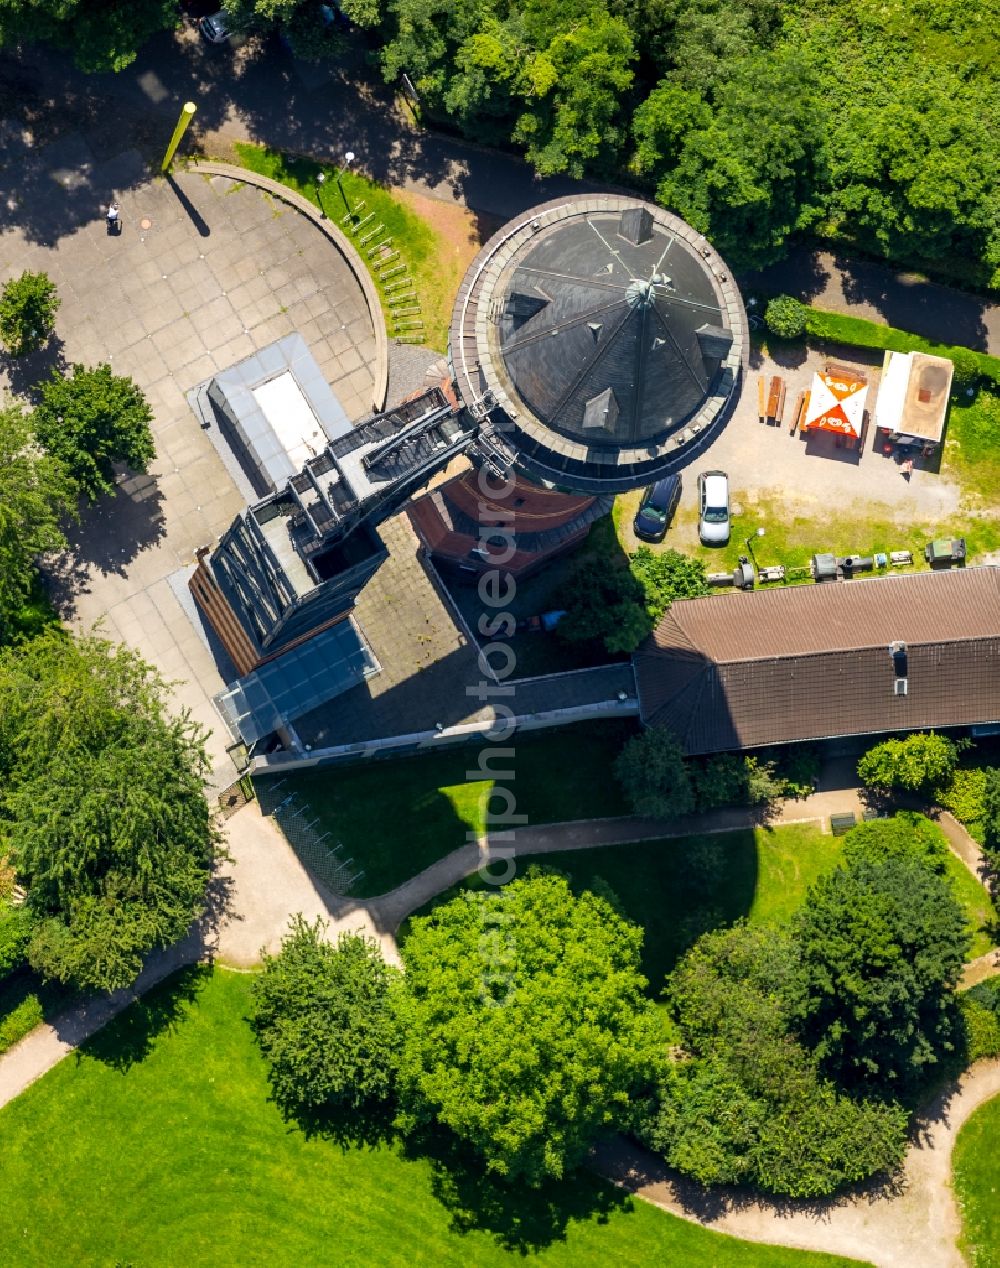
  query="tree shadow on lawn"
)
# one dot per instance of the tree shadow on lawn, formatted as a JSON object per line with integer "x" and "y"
{"x": 132, "y": 1035}
{"x": 519, "y": 1218}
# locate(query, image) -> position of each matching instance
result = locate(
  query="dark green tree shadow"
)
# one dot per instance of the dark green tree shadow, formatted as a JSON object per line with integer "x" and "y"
{"x": 132, "y": 1036}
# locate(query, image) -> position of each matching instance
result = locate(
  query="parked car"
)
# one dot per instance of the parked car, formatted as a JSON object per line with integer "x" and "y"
{"x": 713, "y": 503}
{"x": 216, "y": 27}
{"x": 656, "y": 509}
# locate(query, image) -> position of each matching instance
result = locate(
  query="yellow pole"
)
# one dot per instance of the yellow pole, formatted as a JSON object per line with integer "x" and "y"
{"x": 187, "y": 114}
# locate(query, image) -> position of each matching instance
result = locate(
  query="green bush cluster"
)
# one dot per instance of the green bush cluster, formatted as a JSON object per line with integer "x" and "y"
{"x": 919, "y": 762}
{"x": 20, "y": 1021}
{"x": 28, "y": 307}
{"x": 15, "y": 935}
{"x": 980, "y": 1007}
{"x": 786, "y": 317}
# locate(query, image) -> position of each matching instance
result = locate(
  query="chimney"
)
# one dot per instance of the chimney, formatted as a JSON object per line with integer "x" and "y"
{"x": 901, "y": 684}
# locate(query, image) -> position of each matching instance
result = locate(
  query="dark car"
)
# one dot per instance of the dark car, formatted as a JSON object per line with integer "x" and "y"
{"x": 215, "y": 28}
{"x": 657, "y": 508}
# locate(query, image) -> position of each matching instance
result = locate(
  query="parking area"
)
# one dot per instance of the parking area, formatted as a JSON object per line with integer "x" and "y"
{"x": 205, "y": 272}
{"x": 777, "y": 478}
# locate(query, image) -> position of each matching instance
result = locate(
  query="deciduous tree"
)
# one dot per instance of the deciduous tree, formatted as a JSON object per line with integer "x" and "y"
{"x": 654, "y": 779}
{"x": 917, "y": 762}
{"x": 323, "y": 1018}
{"x": 102, "y": 807}
{"x": 523, "y": 1026}
{"x": 28, "y": 307}
{"x": 90, "y": 420}
{"x": 36, "y": 493}
{"x": 883, "y": 942}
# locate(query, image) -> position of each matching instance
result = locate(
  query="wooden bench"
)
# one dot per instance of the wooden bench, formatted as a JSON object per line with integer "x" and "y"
{"x": 775, "y": 400}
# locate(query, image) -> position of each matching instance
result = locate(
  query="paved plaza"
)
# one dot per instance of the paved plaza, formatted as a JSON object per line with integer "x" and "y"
{"x": 205, "y": 272}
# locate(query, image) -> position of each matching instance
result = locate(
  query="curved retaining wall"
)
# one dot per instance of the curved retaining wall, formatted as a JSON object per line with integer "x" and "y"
{"x": 207, "y": 167}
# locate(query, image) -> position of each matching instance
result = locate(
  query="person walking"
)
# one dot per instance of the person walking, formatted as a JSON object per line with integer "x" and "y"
{"x": 114, "y": 218}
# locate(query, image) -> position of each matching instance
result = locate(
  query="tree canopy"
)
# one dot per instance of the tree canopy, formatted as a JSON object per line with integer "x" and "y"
{"x": 653, "y": 776}
{"x": 102, "y": 35}
{"x": 883, "y": 942}
{"x": 91, "y": 419}
{"x": 36, "y": 492}
{"x": 748, "y": 1104}
{"x": 102, "y": 807}
{"x": 28, "y": 307}
{"x": 323, "y": 1017}
{"x": 523, "y": 1026}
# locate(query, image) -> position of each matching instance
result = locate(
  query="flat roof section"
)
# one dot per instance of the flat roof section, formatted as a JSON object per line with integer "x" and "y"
{"x": 291, "y": 418}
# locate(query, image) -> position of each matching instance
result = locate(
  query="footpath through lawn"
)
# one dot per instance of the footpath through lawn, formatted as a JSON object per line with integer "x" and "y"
{"x": 157, "y": 1144}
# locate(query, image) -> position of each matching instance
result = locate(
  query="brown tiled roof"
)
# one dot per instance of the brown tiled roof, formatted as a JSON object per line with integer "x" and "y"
{"x": 746, "y": 669}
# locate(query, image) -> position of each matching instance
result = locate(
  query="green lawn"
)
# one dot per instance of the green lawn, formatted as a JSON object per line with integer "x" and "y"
{"x": 791, "y": 537}
{"x": 678, "y": 889}
{"x": 396, "y": 818}
{"x": 976, "y": 1165}
{"x": 158, "y": 1145}
{"x": 436, "y": 276}
{"x": 975, "y": 902}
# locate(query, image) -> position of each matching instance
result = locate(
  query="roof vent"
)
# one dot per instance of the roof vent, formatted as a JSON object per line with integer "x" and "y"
{"x": 601, "y": 412}
{"x": 522, "y": 306}
{"x": 897, "y": 651}
{"x": 714, "y": 341}
{"x": 900, "y": 687}
{"x": 636, "y": 225}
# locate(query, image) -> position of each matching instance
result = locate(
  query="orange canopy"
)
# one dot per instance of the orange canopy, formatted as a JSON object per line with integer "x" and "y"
{"x": 836, "y": 403}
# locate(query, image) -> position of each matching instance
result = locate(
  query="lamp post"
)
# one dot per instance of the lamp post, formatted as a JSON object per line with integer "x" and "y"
{"x": 759, "y": 532}
{"x": 348, "y": 160}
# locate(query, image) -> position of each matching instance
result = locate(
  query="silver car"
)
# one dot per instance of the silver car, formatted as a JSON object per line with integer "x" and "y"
{"x": 713, "y": 502}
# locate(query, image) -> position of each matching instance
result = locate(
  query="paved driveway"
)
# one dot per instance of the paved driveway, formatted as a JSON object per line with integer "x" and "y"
{"x": 205, "y": 272}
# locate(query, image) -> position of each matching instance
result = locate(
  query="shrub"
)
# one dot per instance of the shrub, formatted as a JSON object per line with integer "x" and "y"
{"x": 964, "y": 795}
{"x": 798, "y": 766}
{"x": 719, "y": 781}
{"x": 323, "y": 1019}
{"x": 20, "y": 1021}
{"x": 982, "y": 1027}
{"x": 28, "y": 307}
{"x": 667, "y": 576}
{"x": 918, "y": 762}
{"x": 763, "y": 785}
{"x": 654, "y": 779}
{"x": 786, "y": 317}
{"x": 967, "y": 370}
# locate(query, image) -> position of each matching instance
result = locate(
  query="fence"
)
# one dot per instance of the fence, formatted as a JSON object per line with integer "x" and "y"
{"x": 316, "y": 849}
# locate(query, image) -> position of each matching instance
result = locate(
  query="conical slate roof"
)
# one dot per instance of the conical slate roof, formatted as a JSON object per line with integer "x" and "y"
{"x": 589, "y": 313}
{"x": 597, "y": 337}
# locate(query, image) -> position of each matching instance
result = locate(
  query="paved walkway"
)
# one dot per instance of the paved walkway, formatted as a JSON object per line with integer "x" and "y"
{"x": 255, "y": 896}
{"x": 205, "y": 272}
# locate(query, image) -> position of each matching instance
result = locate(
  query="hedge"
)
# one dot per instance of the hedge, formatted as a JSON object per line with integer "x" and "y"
{"x": 872, "y": 334}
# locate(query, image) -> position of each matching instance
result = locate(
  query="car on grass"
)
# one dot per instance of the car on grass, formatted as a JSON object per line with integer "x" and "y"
{"x": 713, "y": 508}
{"x": 656, "y": 509}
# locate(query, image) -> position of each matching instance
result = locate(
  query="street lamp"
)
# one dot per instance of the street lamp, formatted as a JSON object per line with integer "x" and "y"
{"x": 320, "y": 182}
{"x": 348, "y": 160}
{"x": 749, "y": 544}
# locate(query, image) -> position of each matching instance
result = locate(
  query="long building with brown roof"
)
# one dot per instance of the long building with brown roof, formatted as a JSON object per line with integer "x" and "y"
{"x": 899, "y": 653}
